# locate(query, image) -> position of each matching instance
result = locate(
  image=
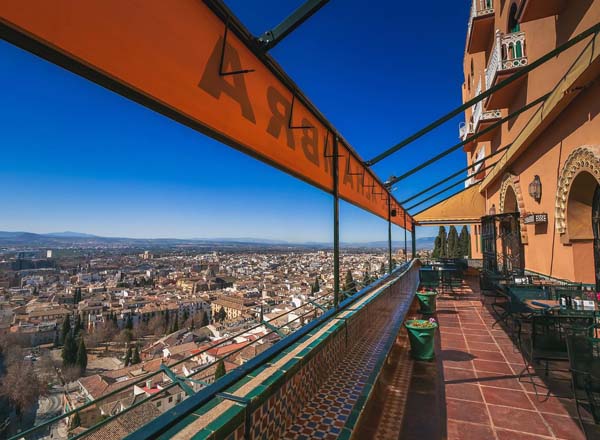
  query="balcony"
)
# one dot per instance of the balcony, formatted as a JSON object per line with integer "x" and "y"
{"x": 536, "y": 9}
{"x": 508, "y": 55}
{"x": 480, "y": 120}
{"x": 481, "y": 25}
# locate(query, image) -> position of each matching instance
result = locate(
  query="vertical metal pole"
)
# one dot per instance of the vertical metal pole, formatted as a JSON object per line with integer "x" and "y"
{"x": 414, "y": 241}
{"x": 405, "y": 243}
{"x": 390, "y": 232}
{"x": 336, "y": 226}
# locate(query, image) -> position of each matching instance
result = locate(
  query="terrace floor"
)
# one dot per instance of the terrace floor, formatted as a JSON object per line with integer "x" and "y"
{"x": 479, "y": 367}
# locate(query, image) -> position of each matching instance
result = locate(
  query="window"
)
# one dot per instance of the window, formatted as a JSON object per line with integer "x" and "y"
{"x": 513, "y": 24}
{"x": 170, "y": 399}
{"x": 158, "y": 404}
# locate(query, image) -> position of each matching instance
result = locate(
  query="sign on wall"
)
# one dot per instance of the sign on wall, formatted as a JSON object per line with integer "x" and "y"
{"x": 183, "y": 60}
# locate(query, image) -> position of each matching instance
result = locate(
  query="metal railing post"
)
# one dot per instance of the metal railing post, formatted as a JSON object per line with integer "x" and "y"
{"x": 336, "y": 226}
{"x": 405, "y": 244}
{"x": 390, "y": 233}
{"x": 414, "y": 241}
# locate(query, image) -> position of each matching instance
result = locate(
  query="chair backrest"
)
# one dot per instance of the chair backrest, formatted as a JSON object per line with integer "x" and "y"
{"x": 553, "y": 332}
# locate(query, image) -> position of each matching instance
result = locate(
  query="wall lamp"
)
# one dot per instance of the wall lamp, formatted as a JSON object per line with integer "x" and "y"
{"x": 535, "y": 188}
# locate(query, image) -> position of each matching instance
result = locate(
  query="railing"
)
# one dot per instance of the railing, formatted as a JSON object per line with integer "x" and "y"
{"x": 477, "y": 108}
{"x": 508, "y": 53}
{"x": 479, "y": 8}
{"x": 262, "y": 400}
{"x": 465, "y": 129}
{"x": 122, "y": 400}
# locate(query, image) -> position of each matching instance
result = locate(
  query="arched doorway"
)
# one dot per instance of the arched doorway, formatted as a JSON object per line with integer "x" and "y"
{"x": 510, "y": 200}
{"x": 583, "y": 223}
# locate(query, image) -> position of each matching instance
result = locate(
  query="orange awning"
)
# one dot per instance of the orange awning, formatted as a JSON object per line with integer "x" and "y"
{"x": 465, "y": 207}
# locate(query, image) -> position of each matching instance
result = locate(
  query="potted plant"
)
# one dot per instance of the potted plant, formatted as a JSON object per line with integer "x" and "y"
{"x": 427, "y": 301}
{"x": 421, "y": 333}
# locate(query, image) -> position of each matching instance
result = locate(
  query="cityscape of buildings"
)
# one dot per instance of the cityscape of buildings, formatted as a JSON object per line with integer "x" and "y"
{"x": 171, "y": 306}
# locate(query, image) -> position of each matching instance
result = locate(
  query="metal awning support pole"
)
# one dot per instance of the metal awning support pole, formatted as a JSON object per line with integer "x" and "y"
{"x": 336, "y": 226}
{"x": 390, "y": 233}
{"x": 271, "y": 38}
{"x": 405, "y": 243}
{"x": 414, "y": 240}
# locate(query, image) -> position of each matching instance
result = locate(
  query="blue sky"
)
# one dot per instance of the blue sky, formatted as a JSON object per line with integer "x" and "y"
{"x": 78, "y": 157}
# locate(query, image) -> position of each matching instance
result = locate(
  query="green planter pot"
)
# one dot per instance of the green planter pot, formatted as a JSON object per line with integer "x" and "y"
{"x": 427, "y": 302}
{"x": 421, "y": 339}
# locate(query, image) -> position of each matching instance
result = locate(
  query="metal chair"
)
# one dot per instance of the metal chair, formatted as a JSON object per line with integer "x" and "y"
{"x": 584, "y": 363}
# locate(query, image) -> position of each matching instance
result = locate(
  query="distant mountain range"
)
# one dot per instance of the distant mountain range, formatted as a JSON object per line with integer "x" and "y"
{"x": 67, "y": 238}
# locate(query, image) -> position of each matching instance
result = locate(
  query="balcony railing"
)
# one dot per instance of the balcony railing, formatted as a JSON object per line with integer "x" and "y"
{"x": 479, "y": 9}
{"x": 465, "y": 129}
{"x": 508, "y": 53}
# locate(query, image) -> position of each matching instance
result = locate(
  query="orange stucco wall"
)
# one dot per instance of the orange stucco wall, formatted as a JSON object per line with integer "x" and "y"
{"x": 546, "y": 251}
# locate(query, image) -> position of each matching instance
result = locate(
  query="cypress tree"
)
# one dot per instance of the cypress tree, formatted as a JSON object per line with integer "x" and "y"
{"x": 69, "y": 351}
{"x": 382, "y": 269}
{"x": 127, "y": 360}
{"x": 222, "y": 314}
{"x": 465, "y": 242}
{"x": 220, "y": 371}
{"x": 135, "y": 359}
{"x": 129, "y": 323}
{"x": 66, "y": 327}
{"x": 349, "y": 285}
{"x": 316, "y": 286}
{"x": 78, "y": 325}
{"x": 443, "y": 242}
{"x": 192, "y": 324}
{"x": 82, "y": 359}
{"x": 437, "y": 248}
{"x": 453, "y": 243}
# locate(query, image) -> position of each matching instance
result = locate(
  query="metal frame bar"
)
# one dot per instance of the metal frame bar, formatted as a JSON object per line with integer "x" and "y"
{"x": 336, "y": 225}
{"x": 458, "y": 173}
{"x": 269, "y": 39}
{"x": 521, "y": 72}
{"x": 466, "y": 141}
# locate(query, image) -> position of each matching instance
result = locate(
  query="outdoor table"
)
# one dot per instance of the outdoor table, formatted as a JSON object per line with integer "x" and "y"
{"x": 553, "y": 306}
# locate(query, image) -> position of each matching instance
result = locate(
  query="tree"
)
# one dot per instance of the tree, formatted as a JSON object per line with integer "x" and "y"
{"x": 204, "y": 319}
{"x": 221, "y": 315}
{"x": 66, "y": 328}
{"x": 21, "y": 386}
{"x": 453, "y": 244}
{"x": 220, "y": 371}
{"x": 175, "y": 325}
{"x": 192, "y": 327}
{"x": 129, "y": 323}
{"x": 82, "y": 359}
{"x": 167, "y": 318}
{"x": 78, "y": 324}
{"x": 440, "y": 248}
{"x": 316, "y": 287}
{"x": 465, "y": 242}
{"x": 69, "y": 351}
{"x": 349, "y": 284}
{"x": 382, "y": 269}
{"x": 75, "y": 421}
{"x": 135, "y": 358}
{"x": 128, "y": 355}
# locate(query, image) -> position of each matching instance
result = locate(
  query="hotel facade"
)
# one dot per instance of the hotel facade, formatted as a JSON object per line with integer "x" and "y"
{"x": 538, "y": 208}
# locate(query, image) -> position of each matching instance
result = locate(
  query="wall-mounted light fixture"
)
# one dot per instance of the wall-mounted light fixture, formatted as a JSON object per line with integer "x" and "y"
{"x": 535, "y": 188}
{"x": 493, "y": 210}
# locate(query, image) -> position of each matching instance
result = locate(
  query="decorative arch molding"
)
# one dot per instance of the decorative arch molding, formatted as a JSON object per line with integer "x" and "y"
{"x": 512, "y": 181}
{"x": 582, "y": 159}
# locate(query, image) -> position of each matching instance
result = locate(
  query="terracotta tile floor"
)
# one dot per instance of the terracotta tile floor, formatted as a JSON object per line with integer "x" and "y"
{"x": 484, "y": 398}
